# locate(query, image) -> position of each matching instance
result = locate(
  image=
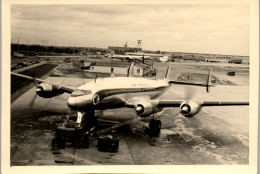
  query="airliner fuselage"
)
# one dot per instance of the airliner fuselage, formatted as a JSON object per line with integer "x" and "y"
{"x": 108, "y": 93}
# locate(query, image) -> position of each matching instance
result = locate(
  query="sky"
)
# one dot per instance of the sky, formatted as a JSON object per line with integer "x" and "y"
{"x": 198, "y": 28}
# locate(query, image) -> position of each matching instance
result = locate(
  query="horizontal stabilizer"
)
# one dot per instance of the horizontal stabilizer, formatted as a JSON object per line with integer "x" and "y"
{"x": 188, "y": 83}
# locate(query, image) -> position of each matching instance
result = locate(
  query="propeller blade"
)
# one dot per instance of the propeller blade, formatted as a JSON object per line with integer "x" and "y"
{"x": 38, "y": 90}
{"x": 31, "y": 104}
{"x": 35, "y": 83}
{"x": 188, "y": 93}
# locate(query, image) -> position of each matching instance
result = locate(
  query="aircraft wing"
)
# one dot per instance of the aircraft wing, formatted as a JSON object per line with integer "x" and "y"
{"x": 28, "y": 78}
{"x": 61, "y": 88}
{"x": 177, "y": 103}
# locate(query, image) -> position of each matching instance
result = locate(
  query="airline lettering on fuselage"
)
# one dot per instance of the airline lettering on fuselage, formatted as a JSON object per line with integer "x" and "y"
{"x": 138, "y": 84}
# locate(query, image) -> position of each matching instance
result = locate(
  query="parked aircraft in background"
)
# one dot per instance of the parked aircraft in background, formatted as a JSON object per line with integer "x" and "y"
{"x": 130, "y": 57}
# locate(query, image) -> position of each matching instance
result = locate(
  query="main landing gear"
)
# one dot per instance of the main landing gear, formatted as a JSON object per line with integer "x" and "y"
{"x": 154, "y": 127}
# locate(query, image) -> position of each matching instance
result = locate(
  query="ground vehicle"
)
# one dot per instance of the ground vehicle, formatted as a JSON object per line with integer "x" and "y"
{"x": 69, "y": 132}
{"x": 18, "y": 55}
{"x": 231, "y": 73}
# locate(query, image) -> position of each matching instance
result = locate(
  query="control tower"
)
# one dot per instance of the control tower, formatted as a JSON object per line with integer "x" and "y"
{"x": 139, "y": 44}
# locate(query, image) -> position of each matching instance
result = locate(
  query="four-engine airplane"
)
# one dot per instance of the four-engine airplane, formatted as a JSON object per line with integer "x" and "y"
{"x": 141, "y": 94}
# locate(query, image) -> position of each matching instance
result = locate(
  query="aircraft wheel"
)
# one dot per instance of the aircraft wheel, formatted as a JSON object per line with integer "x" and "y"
{"x": 61, "y": 144}
{"x": 55, "y": 143}
{"x": 151, "y": 124}
{"x": 85, "y": 142}
{"x": 77, "y": 142}
{"x": 154, "y": 127}
{"x": 158, "y": 124}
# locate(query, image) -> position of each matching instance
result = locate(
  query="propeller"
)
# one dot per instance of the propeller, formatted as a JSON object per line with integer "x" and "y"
{"x": 139, "y": 109}
{"x": 188, "y": 92}
{"x": 31, "y": 103}
{"x": 185, "y": 109}
{"x": 188, "y": 95}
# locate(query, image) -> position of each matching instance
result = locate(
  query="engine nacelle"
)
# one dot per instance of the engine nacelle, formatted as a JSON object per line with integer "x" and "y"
{"x": 190, "y": 108}
{"x": 46, "y": 90}
{"x": 145, "y": 108}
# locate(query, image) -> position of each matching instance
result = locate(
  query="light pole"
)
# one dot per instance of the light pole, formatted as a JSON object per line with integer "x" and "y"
{"x": 27, "y": 46}
{"x": 18, "y": 44}
{"x": 53, "y": 48}
{"x": 46, "y": 46}
{"x": 69, "y": 48}
{"x": 74, "y": 49}
{"x": 42, "y": 47}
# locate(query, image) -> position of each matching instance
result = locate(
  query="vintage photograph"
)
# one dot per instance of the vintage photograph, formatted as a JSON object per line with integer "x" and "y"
{"x": 129, "y": 84}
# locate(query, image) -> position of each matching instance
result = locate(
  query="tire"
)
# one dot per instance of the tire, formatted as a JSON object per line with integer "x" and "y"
{"x": 77, "y": 142}
{"x": 151, "y": 124}
{"x": 61, "y": 144}
{"x": 154, "y": 127}
{"x": 55, "y": 143}
{"x": 85, "y": 142}
{"x": 158, "y": 124}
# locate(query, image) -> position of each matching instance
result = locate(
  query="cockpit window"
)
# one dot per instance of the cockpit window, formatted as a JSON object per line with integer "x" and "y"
{"x": 80, "y": 92}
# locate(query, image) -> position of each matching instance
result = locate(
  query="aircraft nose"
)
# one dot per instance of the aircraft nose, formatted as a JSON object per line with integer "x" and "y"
{"x": 72, "y": 103}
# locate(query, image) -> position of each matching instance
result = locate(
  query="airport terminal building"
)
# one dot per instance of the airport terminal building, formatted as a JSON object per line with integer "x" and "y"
{"x": 140, "y": 69}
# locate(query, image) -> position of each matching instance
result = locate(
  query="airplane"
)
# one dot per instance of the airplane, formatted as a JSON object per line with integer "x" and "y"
{"x": 130, "y": 57}
{"x": 138, "y": 93}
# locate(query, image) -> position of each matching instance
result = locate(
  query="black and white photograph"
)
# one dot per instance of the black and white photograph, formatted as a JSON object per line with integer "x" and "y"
{"x": 140, "y": 85}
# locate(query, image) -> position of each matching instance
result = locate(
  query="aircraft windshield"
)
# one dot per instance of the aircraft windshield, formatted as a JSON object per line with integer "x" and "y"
{"x": 80, "y": 92}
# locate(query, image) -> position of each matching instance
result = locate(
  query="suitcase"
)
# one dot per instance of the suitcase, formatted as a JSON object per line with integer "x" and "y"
{"x": 109, "y": 143}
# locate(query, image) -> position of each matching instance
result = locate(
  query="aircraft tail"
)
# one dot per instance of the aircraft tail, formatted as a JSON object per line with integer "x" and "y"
{"x": 209, "y": 80}
{"x": 131, "y": 70}
{"x": 207, "y": 84}
{"x": 167, "y": 75}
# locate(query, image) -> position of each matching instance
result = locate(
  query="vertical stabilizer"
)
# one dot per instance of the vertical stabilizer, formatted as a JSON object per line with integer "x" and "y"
{"x": 209, "y": 80}
{"x": 131, "y": 70}
{"x": 168, "y": 71}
